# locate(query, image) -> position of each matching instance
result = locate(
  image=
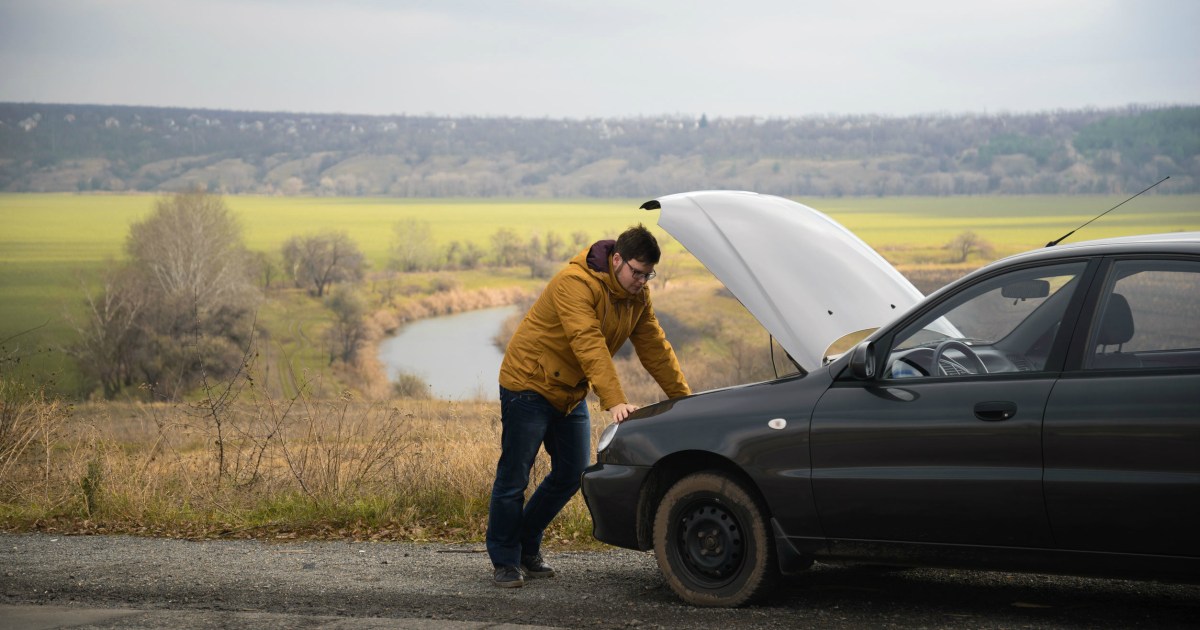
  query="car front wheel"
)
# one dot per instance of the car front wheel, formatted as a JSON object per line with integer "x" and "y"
{"x": 712, "y": 542}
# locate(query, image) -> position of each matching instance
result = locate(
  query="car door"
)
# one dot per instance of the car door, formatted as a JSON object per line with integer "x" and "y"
{"x": 944, "y": 446}
{"x": 1122, "y": 428}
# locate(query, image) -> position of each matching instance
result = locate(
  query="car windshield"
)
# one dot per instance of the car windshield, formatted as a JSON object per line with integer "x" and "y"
{"x": 989, "y": 314}
{"x": 1005, "y": 323}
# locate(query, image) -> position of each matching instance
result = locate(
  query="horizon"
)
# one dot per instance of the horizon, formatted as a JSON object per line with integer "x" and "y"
{"x": 1132, "y": 106}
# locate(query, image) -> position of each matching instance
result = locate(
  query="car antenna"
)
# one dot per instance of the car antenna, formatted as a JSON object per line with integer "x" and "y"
{"x": 1060, "y": 239}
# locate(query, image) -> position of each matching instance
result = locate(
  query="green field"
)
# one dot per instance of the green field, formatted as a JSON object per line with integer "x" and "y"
{"x": 1015, "y": 223}
{"x": 49, "y": 242}
{"x": 65, "y": 228}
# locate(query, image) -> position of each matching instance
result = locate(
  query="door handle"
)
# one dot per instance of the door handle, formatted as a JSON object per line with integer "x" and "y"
{"x": 995, "y": 411}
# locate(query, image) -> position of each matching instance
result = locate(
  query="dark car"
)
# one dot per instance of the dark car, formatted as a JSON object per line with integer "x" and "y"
{"x": 1040, "y": 414}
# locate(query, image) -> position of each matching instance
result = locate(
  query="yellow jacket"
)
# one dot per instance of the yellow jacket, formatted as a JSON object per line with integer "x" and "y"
{"x": 568, "y": 338}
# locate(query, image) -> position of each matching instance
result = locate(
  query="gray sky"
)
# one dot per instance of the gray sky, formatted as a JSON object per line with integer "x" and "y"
{"x": 578, "y": 58}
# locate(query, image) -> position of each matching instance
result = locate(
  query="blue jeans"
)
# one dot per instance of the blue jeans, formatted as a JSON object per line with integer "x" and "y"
{"x": 529, "y": 421}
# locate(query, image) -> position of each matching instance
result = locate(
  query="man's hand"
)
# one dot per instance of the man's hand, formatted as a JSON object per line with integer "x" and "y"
{"x": 622, "y": 411}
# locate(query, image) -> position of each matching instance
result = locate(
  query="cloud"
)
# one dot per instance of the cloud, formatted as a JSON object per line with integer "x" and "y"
{"x": 619, "y": 57}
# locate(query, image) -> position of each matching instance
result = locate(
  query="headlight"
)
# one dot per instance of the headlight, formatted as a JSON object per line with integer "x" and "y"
{"x": 606, "y": 438}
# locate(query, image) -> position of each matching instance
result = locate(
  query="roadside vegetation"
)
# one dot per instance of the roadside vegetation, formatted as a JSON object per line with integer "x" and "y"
{"x": 215, "y": 374}
{"x": 240, "y": 463}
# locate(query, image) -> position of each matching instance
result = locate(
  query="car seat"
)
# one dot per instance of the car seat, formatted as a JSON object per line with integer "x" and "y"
{"x": 1116, "y": 329}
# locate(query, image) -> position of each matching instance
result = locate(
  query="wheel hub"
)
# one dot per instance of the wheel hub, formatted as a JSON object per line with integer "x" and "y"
{"x": 711, "y": 541}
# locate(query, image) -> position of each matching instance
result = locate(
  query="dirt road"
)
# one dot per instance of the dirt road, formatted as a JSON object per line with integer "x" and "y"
{"x": 610, "y": 589}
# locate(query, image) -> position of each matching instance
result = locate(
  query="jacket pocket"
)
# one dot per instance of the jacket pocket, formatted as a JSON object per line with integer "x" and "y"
{"x": 558, "y": 372}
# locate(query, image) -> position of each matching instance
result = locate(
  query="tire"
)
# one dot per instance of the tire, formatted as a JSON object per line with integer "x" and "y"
{"x": 712, "y": 542}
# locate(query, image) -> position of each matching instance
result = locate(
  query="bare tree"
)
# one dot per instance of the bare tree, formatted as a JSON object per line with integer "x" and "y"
{"x": 266, "y": 267}
{"x": 579, "y": 240}
{"x": 386, "y": 286}
{"x": 966, "y": 243}
{"x": 181, "y": 310}
{"x": 666, "y": 271}
{"x": 108, "y": 331}
{"x": 555, "y": 247}
{"x": 544, "y": 256}
{"x": 413, "y": 248}
{"x": 349, "y": 327}
{"x": 506, "y": 248}
{"x": 319, "y": 260}
{"x": 200, "y": 292}
{"x": 451, "y": 256}
{"x": 471, "y": 255}
{"x": 190, "y": 248}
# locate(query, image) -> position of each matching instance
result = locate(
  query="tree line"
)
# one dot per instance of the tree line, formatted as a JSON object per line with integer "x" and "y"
{"x": 89, "y": 147}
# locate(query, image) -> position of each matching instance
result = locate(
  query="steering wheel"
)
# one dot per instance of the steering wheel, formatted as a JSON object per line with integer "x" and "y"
{"x": 953, "y": 344}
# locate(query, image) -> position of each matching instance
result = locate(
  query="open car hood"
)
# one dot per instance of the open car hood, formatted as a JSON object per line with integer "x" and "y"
{"x": 807, "y": 279}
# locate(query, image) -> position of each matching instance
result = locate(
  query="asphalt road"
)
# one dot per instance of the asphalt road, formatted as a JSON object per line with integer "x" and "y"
{"x": 124, "y": 582}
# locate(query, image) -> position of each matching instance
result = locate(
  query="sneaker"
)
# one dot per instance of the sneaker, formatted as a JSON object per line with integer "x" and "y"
{"x": 535, "y": 567}
{"x": 508, "y": 577}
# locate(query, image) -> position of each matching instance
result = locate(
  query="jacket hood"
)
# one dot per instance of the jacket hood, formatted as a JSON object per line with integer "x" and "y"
{"x": 807, "y": 279}
{"x": 597, "y": 260}
{"x": 600, "y": 254}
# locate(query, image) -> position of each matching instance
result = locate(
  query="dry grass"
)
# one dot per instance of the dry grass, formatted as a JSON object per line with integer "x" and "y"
{"x": 31, "y": 427}
{"x": 299, "y": 467}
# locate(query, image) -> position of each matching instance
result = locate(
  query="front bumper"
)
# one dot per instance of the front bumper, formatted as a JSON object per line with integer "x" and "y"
{"x": 611, "y": 492}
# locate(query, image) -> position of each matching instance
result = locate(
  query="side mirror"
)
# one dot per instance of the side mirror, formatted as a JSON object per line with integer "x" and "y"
{"x": 1026, "y": 289}
{"x": 862, "y": 361}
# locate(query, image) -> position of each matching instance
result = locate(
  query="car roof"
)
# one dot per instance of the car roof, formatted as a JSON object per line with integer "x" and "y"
{"x": 1165, "y": 243}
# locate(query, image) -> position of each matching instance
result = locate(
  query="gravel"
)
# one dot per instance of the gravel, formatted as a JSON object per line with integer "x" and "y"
{"x": 606, "y": 589}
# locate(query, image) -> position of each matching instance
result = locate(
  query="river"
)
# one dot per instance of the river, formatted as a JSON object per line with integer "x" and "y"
{"x": 454, "y": 354}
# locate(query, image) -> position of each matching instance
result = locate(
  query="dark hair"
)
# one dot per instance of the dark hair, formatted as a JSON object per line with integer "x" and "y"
{"x": 637, "y": 243}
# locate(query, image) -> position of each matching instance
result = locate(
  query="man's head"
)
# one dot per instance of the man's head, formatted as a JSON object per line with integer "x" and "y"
{"x": 637, "y": 243}
{"x": 637, "y": 253}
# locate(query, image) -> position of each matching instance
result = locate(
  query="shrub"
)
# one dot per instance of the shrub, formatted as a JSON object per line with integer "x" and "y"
{"x": 411, "y": 386}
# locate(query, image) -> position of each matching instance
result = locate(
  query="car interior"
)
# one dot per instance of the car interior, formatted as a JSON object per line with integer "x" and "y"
{"x": 1025, "y": 348}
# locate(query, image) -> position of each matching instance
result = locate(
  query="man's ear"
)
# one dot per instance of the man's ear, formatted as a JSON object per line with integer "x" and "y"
{"x": 617, "y": 259}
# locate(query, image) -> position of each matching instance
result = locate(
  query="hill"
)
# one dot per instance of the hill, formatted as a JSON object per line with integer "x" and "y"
{"x": 58, "y": 148}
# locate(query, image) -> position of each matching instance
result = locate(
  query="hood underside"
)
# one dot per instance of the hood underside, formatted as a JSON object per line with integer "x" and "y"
{"x": 808, "y": 280}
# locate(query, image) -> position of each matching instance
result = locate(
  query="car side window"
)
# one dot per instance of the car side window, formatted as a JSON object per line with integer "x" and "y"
{"x": 1004, "y": 324}
{"x": 1147, "y": 317}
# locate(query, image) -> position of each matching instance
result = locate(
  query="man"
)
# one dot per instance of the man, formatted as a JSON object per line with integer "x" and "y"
{"x": 564, "y": 345}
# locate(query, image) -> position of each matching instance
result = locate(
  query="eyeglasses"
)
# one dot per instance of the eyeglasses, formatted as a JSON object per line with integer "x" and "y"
{"x": 644, "y": 276}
